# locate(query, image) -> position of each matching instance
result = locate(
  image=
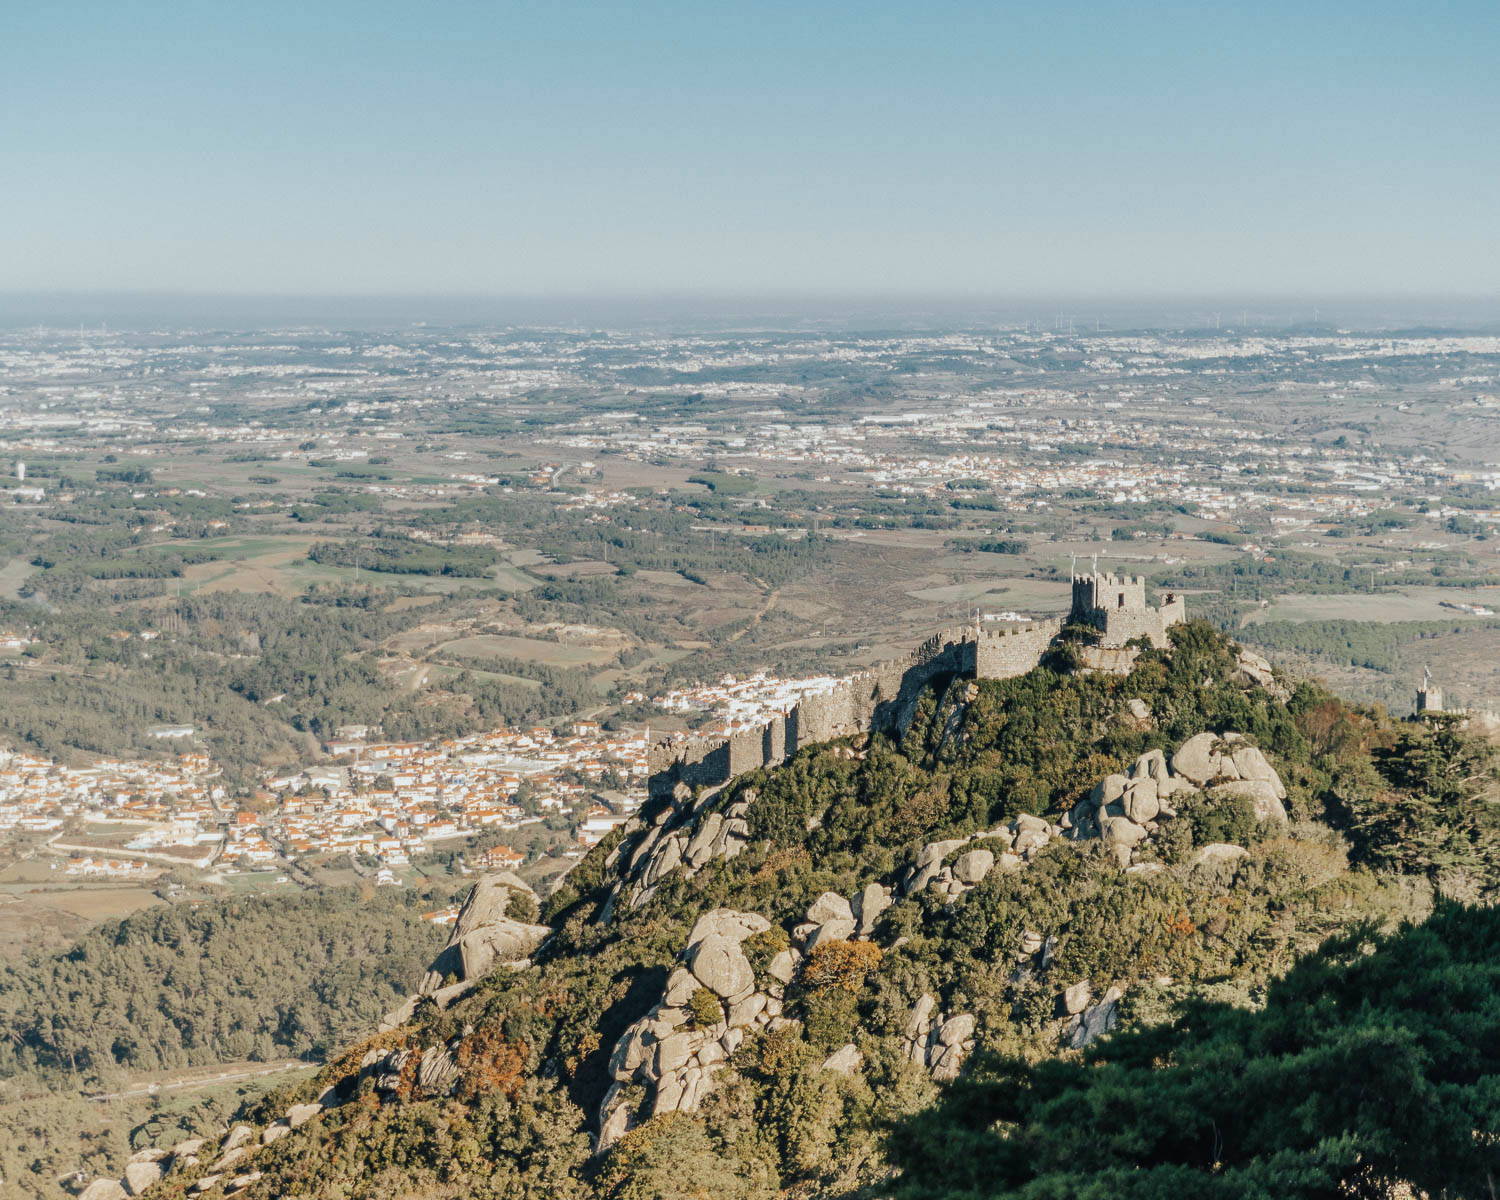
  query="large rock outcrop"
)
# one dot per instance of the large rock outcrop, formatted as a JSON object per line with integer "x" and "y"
{"x": 1006, "y": 847}
{"x": 1254, "y": 670}
{"x": 1093, "y": 1021}
{"x": 938, "y": 1043}
{"x": 683, "y": 834}
{"x": 674, "y": 1051}
{"x": 484, "y": 939}
{"x": 1124, "y": 810}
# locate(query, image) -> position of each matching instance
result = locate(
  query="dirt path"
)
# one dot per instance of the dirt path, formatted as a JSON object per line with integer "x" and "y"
{"x": 759, "y": 616}
{"x": 197, "y": 1081}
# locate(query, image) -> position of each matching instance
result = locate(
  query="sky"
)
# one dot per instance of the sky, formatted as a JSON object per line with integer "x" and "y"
{"x": 638, "y": 148}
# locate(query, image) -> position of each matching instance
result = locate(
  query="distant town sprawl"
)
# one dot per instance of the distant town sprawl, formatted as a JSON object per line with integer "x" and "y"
{"x": 386, "y": 801}
{"x": 512, "y": 556}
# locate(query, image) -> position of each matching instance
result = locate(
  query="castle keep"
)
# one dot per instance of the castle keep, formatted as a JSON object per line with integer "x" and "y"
{"x": 884, "y": 697}
{"x": 1116, "y": 606}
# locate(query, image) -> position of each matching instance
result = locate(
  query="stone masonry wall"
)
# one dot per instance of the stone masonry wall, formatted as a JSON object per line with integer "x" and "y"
{"x": 1005, "y": 654}
{"x": 882, "y": 698}
{"x": 1120, "y": 627}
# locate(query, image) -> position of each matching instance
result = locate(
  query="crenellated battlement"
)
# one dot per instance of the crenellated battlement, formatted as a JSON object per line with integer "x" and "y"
{"x": 1116, "y": 606}
{"x": 988, "y": 635}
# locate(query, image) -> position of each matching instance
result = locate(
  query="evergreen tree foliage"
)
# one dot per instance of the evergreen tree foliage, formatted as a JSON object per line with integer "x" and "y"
{"x": 1374, "y": 1062}
{"x": 187, "y": 984}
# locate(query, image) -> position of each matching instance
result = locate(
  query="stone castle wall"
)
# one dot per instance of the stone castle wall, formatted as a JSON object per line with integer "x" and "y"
{"x": 882, "y": 698}
{"x": 1116, "y": 606}
{"x": 1122, "y": 627}
{"x": 1004, "y": 654}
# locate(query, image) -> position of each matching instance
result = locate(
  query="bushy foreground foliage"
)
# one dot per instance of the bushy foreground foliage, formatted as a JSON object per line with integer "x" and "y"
{"x": 1375, "y": 1062}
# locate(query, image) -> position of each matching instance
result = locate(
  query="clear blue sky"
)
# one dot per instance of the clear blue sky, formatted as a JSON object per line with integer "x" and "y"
{"x": 556, "y": 148}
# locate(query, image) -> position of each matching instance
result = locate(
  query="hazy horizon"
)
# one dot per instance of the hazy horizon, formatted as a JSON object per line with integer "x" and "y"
{"x": 121, "y": 311}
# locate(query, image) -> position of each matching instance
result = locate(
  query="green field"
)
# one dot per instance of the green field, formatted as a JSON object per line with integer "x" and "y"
{"x": 492, "y": 676}
{"x": 513, "y": 579}
{"x": 12, "y": 575}
{"x": 1404, "y": 604}
{"x": 253, "y": 882}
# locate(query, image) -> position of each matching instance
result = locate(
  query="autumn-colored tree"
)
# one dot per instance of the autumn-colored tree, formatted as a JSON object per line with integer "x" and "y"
{"x": 839, "y": 964}
{"x": 490, "y": 1062}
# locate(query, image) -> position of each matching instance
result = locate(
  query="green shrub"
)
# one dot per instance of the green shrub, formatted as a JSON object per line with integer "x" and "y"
{"x": 523, "y": 907}
{"x": 1220, "y": 819}
{"x": 705, "y": 1009}
{"x": 831, "y": 1019}
{"x": 760, "y": 948}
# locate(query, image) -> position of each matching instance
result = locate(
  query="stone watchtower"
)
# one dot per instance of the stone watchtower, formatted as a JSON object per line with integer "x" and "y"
{"x": 1429, "y": 695}
{"x": 1100, "y": 591}
{"x": 1116, "y": 606}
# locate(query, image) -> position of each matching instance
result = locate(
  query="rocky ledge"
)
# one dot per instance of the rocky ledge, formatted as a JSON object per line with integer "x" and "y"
{"x": 1125, "y": 810}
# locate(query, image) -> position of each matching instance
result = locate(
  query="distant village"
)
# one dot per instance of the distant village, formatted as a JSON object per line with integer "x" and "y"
{"x": 389, "y": 802}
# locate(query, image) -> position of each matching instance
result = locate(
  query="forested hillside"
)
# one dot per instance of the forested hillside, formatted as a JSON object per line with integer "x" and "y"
{"x": 189, "y": 984}
{"x": 262, "y": 678}
{"x": 1372, "y": 1063}
{"x": 1034, "y": 929}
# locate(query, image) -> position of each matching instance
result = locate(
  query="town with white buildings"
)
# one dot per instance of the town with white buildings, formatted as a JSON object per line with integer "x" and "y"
{"x": 383, "y": 803}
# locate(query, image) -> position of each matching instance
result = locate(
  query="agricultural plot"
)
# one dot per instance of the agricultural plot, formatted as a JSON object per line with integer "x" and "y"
{"x": 552, "y": 654}
{"x": 12, "y": 575}
{"x": 1404, "y": 604}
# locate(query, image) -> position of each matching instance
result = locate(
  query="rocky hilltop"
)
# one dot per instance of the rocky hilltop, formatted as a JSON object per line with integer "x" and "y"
{"x": 783, "y": 985}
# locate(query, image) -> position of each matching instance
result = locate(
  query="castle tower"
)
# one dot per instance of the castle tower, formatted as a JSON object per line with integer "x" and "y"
{"x": 1116, "y": 606}
{"x": 1429, "y": 697}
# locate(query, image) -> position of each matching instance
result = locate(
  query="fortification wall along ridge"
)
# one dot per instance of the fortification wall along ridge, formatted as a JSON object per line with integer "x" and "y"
{"x": 883, "y": 698}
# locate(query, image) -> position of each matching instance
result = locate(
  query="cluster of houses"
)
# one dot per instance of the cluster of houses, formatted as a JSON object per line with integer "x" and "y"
{"x": 387, "y": 800}
{"x": 377, "y": 799}
{"x": 181, "y": 794}
{"x": 88, "y": 866}
{"x": 393, "y": 800}
{"x": 739, "y": 702}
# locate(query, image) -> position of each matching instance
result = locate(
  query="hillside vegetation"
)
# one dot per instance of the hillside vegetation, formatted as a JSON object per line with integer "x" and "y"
{"x": 1231, "y": 1069}
{"x": 188, "y": 984}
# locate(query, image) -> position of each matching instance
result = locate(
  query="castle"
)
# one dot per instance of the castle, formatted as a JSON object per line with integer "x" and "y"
{"x": 1115, "y": 605}
{"x": 1430, "y": 697}
{"x": 884, "y": 697}
{"x": 1430, "y": 704}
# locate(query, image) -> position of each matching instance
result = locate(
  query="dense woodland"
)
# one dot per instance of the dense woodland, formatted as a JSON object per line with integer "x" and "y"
{"x": 403, "y": 556}
{"x": 1386, "y": 820}
{"x": 201, "y": 982}
{"x": 261, "y": 677}
{"x": 1372, "y": 1064}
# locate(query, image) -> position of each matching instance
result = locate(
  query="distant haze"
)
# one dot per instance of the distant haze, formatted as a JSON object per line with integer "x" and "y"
{"x": 983, "y": 149}
{"x": 93, "y": 313}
